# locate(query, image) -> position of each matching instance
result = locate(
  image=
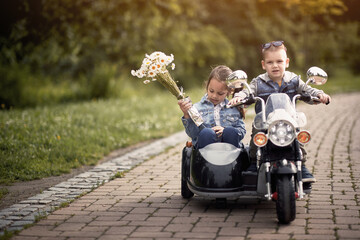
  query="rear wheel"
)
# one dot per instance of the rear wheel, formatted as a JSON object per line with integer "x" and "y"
{"x": 185, "y": 168}
{"x": 285, "y": 204}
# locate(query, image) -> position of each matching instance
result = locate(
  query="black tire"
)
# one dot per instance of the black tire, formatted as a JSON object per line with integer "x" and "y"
{"x": 221, "y": 203}
{"x": 285, "y": 204}
{"x": 185, "y": 191}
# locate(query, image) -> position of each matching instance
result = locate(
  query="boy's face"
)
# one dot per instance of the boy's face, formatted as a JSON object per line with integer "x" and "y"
{"x": 275, "y": 62}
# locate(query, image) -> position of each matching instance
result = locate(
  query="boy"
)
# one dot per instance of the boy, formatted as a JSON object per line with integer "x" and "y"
{"x": 277, "y": 80}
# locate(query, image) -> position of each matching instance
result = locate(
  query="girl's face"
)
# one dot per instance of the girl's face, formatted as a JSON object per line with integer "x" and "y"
{"x": 217, "y": 91}
{"x": 275, "y": 63}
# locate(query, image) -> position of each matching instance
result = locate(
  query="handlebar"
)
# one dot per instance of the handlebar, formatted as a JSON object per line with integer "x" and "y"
{"x": 245, "y": 101}
{"x": 308, "y": 98}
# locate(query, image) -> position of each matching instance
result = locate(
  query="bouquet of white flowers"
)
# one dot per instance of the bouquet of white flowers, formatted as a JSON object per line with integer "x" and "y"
{"x": 154, "y": 68}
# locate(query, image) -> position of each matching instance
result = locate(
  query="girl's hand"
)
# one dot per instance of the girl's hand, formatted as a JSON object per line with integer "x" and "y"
{"x": 218, "y": 130}
{"x": 324, "y": 98}
{"x": 185, "y": 105}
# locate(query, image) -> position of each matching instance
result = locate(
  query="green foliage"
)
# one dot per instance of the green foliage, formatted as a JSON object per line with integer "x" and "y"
{"x": 89, "y": 43}
{"x": 118, "y": 175}
{"x": 341, "y": 81}
{"x": 8, "y": 234}
{"x": 11, "y": 85}
{"x": 98, "y": 81}
{"x": 3, "y": 192}
{"x": 348, "y": 35}
{"x": 83, "y": 46}
{"x": 19, "y": 87}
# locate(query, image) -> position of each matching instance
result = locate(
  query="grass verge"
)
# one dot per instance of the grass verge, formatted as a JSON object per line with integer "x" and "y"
{"x": 48, "y": 141}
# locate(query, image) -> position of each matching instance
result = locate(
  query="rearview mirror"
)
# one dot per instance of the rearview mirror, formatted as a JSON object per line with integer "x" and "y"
{"x": 236, "y": 79}
{"x": 316, "y": 75}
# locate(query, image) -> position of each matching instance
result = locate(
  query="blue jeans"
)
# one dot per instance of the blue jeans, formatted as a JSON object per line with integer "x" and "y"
{"x": 208, "y": 136}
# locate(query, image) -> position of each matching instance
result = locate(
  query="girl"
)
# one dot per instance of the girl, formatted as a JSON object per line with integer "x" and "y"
{"x": 221, "y": 124}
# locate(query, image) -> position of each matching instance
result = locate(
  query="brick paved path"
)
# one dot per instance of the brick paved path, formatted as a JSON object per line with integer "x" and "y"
{"x": 146, "y": 203}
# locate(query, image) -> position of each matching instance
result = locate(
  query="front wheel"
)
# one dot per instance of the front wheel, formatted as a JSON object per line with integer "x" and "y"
{"x": 285, "y": 204}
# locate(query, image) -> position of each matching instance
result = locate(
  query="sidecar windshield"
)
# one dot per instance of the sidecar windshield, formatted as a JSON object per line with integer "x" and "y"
{"x": 279, "y": 101}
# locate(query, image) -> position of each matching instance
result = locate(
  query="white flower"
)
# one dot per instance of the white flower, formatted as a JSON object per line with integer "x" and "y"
{"x": 133, "y": 72}
{"x": 139, "y": 74}
{"x": 147, "y": 62}
{"x": 162, "y": 60}
{"x": 151, "y": 74}
{"x": 172, "y": 66}
{"x": 156, "y": 55}
{"x": 153, "y": 67}
{"x": 169, "y": 59}
{"x": 143, "y": 70}
{"x": 146, "y": 81}
{"x": 158, "y": 66}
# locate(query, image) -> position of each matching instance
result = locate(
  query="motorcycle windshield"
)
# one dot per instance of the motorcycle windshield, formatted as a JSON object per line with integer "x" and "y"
{"x": 279, "y": 101}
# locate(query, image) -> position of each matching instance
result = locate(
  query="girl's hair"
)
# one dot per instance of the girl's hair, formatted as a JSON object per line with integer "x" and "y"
{"x": 219, "y": 73}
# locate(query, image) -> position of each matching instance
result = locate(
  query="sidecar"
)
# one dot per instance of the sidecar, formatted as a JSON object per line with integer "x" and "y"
{"x": 216, "y": 171}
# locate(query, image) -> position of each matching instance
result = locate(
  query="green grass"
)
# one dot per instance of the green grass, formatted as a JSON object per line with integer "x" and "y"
{"x": 3, "y": 192}
{"x": 47, "y": 141}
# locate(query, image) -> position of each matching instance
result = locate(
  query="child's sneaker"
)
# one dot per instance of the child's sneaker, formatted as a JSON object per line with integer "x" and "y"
{"x": 252, "y": 167}
{"x": 307, "y": 177}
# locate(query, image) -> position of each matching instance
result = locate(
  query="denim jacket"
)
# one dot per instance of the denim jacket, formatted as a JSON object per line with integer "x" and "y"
{"x": 229, "y": 117}
{"x": 262, "y": 86}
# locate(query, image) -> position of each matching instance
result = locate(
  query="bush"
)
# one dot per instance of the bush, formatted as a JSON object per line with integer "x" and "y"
{"x": 12, "y": 81}
{"x": 21, "y": 88}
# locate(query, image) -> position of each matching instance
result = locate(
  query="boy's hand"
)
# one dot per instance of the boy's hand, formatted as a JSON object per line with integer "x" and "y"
{"x": 235, "y": 101}
{"x": 324, "y": 98}
{"x": 185, "y": 105}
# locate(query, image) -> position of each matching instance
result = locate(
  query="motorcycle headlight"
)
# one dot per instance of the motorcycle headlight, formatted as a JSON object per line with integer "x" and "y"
{"x": 281, "y": 133}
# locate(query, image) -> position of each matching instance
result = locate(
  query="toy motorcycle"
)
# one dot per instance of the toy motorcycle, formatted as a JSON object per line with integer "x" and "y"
{"x": 219, "y": 170}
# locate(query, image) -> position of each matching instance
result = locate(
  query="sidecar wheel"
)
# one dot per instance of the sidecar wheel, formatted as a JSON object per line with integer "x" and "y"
{"x": 285, "y": 204}
{"x": 185, "y": 191}
{"x": 185, "y": 168}
{"x": 221, "y": 203}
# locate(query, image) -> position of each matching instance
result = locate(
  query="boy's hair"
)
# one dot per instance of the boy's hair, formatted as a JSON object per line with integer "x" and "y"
{"x": 219, "y": 73}
{"x": 272, "y": 48}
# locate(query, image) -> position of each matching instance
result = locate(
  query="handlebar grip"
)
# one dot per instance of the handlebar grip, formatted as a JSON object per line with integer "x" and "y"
{"x": 316, "y": 100}
{"x": 305, "y": 98}
{"x": 251, "y": 99}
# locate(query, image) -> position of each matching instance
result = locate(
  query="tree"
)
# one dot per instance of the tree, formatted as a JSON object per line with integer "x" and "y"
{"x": 315, "y": 7}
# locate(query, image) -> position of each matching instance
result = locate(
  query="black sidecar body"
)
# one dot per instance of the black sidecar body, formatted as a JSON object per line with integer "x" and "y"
{"x": 217, "y": 171}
